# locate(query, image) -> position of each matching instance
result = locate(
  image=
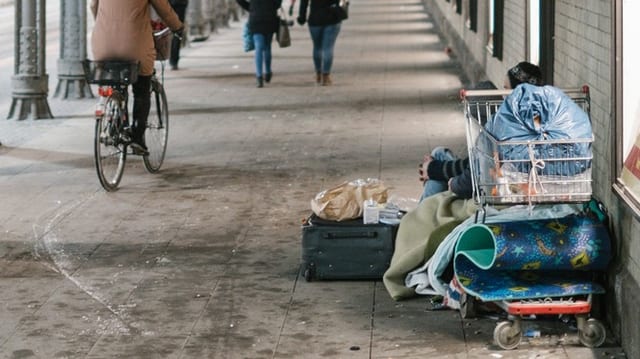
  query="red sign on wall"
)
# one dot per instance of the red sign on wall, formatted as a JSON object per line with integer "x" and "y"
{"x": 632, "y": 163}
{"x": 631, "y": 170}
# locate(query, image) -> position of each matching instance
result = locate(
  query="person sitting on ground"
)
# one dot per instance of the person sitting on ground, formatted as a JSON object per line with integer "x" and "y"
{"x": 441, "y": 169}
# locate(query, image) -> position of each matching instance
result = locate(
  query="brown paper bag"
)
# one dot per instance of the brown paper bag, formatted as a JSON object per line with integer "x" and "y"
{"x": 345, "y": 200}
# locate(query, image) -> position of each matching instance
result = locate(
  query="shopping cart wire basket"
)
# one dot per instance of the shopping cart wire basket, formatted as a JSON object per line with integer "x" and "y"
{"x": 551, "y": 171}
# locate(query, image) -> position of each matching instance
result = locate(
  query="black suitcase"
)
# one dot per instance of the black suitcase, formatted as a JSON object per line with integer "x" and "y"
{"x": 346, "y": 250}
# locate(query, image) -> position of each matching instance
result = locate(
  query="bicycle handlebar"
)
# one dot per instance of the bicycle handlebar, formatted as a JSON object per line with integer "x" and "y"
{"x": 164, "y": 31}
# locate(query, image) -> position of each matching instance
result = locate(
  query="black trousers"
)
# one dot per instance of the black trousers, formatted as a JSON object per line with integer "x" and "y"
{"x": 141, "y": 105}
{"x": 180, "y": 8}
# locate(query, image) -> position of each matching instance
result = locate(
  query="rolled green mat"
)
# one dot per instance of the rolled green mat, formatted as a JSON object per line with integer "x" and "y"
{"x": 532, "y": 258}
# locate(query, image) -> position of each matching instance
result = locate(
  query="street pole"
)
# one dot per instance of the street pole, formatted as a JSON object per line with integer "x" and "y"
{"x": 30, "y": 83}
{"x": 73, "y": 50}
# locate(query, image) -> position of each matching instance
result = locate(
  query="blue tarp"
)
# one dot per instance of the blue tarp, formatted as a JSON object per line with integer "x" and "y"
{"x": 560, "y": 119}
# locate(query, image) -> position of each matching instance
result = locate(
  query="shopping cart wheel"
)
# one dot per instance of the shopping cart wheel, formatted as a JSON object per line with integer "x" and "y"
{"x": 507, "y": 335}
{"x": 592, "y": 334}
{"x": 467, "y": 306}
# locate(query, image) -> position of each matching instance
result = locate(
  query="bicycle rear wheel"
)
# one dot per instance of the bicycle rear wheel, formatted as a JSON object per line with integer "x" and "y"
{"x": 157, "y": 132}
{"x": 109, "y": 150}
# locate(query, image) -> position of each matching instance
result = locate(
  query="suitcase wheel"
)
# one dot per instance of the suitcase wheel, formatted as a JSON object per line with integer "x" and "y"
{"x": 308, "y": 274}
{"x": 467, "y": 306}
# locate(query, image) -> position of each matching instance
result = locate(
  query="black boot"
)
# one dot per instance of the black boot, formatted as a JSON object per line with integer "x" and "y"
{"x": 138, "y": 148}
{"x": 141, "y": 104}
{"x": 138, "y": 145}
{"x": 259, "y": 82}
{"x": 267, "y": 77}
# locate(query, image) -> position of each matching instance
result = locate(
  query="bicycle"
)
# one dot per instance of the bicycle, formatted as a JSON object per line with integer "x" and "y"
{"x": 112, "y": 135}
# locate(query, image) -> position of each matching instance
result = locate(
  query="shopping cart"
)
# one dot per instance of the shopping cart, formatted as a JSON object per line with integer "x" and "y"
{"x": 502, "y": 181}
{"x": 543, "y": 176}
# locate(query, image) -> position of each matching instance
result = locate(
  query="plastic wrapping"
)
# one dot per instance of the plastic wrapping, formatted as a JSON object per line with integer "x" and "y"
{"x": 344, "y": 201}
{"x": 543, "y": 113}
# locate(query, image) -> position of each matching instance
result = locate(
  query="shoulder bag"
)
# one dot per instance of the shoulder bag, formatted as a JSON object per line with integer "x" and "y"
{"x": 341, "y": 10}
{"x": 283, "y": 36}
{"x": 247, "y": 38}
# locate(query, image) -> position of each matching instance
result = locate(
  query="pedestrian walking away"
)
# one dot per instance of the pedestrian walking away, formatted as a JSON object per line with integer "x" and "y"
{"x": 324, "y": 27}
{"x": 263, "y": 23}
{"x": 180, "y": 7}
{"x": 123, "y": 31}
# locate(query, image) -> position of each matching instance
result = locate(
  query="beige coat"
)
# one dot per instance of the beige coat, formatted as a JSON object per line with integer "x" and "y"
{"x": 123, "y": 30}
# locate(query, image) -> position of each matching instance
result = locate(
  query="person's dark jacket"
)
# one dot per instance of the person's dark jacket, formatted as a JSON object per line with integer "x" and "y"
{"x": 263, "y": 15}
{"x": 459, "y": 173}
{"x": 179, "y": 2}
{"x": 444, "y": 170}
{"x": 321, "y": 12}
{"x": 462, "y": 184}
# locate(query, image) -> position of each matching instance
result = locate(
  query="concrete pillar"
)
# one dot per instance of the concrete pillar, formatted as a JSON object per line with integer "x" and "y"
{"x": 197, "y": 19}
{"x": 30, "y": 83}
{"x": 73, "y": 50}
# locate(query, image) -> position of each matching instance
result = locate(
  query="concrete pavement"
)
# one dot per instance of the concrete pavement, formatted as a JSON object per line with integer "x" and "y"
{"x": 202, "y": 259}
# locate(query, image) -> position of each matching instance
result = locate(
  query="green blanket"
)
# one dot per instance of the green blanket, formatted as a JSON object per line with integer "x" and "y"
{"x": 420, "y": 233}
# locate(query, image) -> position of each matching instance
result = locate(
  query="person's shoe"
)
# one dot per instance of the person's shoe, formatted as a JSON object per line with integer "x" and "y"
{"x": 326, "y": 80}
{"x": 139, "y": 149}
{"x": 318, "y": 77}
{"x": 259, "y": 82}
{"x": 126, "y": 135}
{"x": 174, "y": 66}
{"x": 267, "y": 77}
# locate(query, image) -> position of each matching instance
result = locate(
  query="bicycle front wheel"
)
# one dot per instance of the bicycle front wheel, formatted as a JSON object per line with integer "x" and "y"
{"x": 109, "y": 151}
{"x": 157, "y": 132}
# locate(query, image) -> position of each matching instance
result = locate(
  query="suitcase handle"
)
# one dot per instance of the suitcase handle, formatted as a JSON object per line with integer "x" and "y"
{"x": 370, "y": 234}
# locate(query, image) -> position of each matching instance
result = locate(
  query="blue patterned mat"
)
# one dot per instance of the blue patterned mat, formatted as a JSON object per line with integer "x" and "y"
{"x": 532, "y": 259}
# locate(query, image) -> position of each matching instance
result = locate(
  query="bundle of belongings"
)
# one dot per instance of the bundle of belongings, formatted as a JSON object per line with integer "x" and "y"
{"x": 351, "y": 233}
{"x": 345, "y": 201}
{"x": 537, "y": 147}
{"x": 422, "y": 262}
{"x": 541, "y": 113}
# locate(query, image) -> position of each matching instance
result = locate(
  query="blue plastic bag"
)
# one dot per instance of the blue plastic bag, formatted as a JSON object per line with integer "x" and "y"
{"x": 560, "y": 119}
{"x": 247, "y": 38}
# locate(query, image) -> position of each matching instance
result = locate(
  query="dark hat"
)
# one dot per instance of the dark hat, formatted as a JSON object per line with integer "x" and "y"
{"x": 525, "y": 72}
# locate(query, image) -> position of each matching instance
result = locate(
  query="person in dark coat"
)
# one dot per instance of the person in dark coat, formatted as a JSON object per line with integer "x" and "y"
{"x": 263, "y": 23}
{"x": 324, "y": 27}
{"x": 180, "y": 7}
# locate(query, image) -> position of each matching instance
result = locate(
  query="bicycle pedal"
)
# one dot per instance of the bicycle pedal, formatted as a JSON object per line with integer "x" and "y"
{"x": 125, "y": 138}
{"x": 106, "y": 140}
{"x": 138, "y": 150}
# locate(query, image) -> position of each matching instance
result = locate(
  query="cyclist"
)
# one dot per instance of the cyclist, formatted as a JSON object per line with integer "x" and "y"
{"x": 123, "y": 31}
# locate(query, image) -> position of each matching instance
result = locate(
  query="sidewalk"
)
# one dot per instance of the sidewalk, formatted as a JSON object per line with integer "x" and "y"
{"x": 202, "y": 260}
